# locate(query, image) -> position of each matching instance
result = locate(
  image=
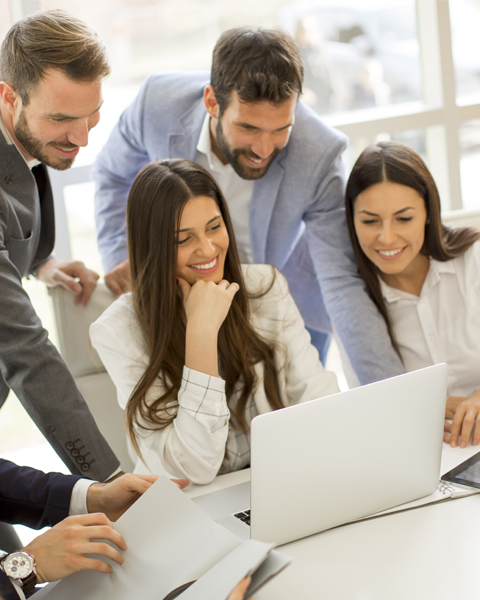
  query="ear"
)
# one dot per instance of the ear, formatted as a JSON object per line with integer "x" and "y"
{"x": 9, "y": 98}
{"x": 211, "y": 102}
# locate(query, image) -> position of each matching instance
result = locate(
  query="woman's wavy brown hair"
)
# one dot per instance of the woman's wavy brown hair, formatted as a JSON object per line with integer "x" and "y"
{"x": 398, "y": 163}
{"x": 154, "y": 210}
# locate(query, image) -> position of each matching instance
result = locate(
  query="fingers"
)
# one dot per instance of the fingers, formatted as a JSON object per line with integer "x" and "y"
{"x": 88, "y": 280}
{"x": 467, "y": 426}
{"x": 181, "y": 483}
{"x": 65, "y": 273}
{"x": 239, "y": 592}
{"x": 113, "y": 285}
{"x": 231, "y": 288}
{"x": 476, "y": 433}
{"x": 104, "y": 532}
{"x": 69, "y": 283}
{"x": 150, "y": 478}
{"x": 457, "y": 425}
{"x": 463, "y": 424}
{"x": 449, "y": 413}
{"x": 135, "y": 483}
{"x": 61, "y": 550}
{"x": 103, "y": 549}
{"x": 118, "y": 278}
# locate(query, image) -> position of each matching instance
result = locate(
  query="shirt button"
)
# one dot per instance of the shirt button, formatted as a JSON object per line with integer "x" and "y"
{"x": 9, "y": 179}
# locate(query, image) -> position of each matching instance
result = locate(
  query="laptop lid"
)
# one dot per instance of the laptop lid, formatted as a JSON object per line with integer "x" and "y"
{"x": 336, "y": 459}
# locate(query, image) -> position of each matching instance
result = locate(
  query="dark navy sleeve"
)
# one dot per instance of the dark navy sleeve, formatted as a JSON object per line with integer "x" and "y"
{"x": 33, "y": 498}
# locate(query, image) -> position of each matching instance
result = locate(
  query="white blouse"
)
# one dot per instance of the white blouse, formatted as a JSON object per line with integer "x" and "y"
{"x": 193, "y": 445}
{"x": 443, "y": 323}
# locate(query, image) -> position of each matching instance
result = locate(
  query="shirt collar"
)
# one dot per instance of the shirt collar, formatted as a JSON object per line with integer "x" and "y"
{"x": 8, "y": 138}
{"x": 436, "y": 269}
{"x": 204, "y": 146}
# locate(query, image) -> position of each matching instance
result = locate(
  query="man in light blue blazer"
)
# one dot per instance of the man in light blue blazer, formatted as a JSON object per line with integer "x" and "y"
{"x": 279, "y": 168}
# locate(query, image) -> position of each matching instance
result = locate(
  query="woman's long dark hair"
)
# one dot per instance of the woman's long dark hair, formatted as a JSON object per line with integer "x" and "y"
{"x": 154, "y": 210}
{"x": 398, "y": 163}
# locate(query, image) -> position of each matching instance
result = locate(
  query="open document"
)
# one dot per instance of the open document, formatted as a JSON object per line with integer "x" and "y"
{"x": 171, "y": 542}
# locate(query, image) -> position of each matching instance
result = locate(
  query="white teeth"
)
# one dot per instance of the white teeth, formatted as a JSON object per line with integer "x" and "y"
{"x": 256, "y": 160}
{"x": 390, "y": 252}
{"x": 207, "y": 266}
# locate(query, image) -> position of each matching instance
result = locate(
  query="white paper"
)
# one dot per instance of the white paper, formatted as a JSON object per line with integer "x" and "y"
{"x": 221, "y": 580}
{"x": 170, "y": 542}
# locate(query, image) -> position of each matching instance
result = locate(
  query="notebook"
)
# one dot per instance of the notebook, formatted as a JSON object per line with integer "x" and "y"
{"x": 337, "y": 459}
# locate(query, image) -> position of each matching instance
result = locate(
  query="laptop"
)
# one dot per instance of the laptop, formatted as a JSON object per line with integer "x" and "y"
{"x": 333, "y": 460}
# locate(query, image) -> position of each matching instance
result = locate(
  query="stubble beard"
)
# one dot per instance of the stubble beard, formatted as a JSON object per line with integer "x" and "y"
{"x": 233, "y": 156}
{"x": 36, "y": 149}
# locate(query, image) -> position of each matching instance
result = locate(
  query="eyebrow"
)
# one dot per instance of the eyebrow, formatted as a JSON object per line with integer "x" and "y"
{"x": 191, "y": 228}
{"x": 63, "y": 116}
{"x": 241, "y": 124}
{"x": 399, "y": 212}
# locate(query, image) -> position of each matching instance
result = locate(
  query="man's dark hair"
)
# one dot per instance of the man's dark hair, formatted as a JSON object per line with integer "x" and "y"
{"x": 52, "y": 39}
{"x": 258, "y": 64}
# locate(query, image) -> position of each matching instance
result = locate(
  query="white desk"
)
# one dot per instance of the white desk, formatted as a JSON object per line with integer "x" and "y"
{"x": 431, "y": 552}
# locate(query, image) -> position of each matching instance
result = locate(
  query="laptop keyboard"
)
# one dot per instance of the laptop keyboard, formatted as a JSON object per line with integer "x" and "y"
{"x": 244, "y": 516}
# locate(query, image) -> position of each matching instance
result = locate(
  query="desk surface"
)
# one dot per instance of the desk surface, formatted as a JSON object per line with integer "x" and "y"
{"x": 430, "y": 552}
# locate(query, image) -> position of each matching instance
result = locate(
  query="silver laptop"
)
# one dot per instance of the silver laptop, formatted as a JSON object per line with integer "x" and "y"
{"x": 332, "y": 460}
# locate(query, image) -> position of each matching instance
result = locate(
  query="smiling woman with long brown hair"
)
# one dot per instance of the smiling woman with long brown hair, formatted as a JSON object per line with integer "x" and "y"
{"x": 202, "y": 344}
{"x": 424, "y": 277}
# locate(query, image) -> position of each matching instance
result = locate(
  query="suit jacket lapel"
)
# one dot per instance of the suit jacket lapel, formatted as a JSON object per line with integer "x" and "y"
{"x": 265, "y": 192}
{"x": 182, "y": 142}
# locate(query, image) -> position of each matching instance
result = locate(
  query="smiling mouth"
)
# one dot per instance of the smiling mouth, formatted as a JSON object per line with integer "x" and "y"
{"x": 257, "y": 161}
{"x": 390, "y": 253}
{"x": 70, "y": 151}
{"x": 205, "y": 266}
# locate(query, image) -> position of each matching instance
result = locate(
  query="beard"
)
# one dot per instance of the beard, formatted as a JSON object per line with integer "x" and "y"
{"x": 232, "y": 156}
{"x": 37, "y": 149}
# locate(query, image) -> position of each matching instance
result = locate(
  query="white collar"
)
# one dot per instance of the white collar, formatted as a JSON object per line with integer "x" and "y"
{"x": 435, "y": 270}
{"x": 8, "y": 138}
{"x": 204, "y": 145}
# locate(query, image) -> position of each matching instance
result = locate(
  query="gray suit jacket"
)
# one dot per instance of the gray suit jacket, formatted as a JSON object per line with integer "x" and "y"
{"x": 296, "y": 219}
{"x": 29, "y": 363}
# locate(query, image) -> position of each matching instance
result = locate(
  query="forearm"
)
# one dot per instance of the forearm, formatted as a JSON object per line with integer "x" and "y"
{"x": 33, "y": 498}
{"x": 355, "y": 317}
{"x": 193, "y": 446}
{"x": 201, "y": 349}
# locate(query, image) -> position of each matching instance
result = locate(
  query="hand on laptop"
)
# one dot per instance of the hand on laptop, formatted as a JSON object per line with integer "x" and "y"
{"x": 464, "y": 412}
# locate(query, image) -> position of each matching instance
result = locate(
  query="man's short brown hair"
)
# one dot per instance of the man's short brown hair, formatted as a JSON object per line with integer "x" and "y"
{"x": 258, "y": 64}
{"x": 52, "y": 39}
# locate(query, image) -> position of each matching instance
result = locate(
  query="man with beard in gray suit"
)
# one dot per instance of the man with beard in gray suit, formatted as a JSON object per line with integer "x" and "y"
{"x": 51, "y": 71}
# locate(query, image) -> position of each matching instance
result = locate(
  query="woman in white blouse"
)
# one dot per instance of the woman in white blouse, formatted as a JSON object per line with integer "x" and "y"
{"x": 201, "y": 345}
{"x": 423, "y": 276}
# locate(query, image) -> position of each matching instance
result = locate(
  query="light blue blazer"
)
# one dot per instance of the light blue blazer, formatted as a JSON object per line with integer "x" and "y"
{"x": 296, "y": 216}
